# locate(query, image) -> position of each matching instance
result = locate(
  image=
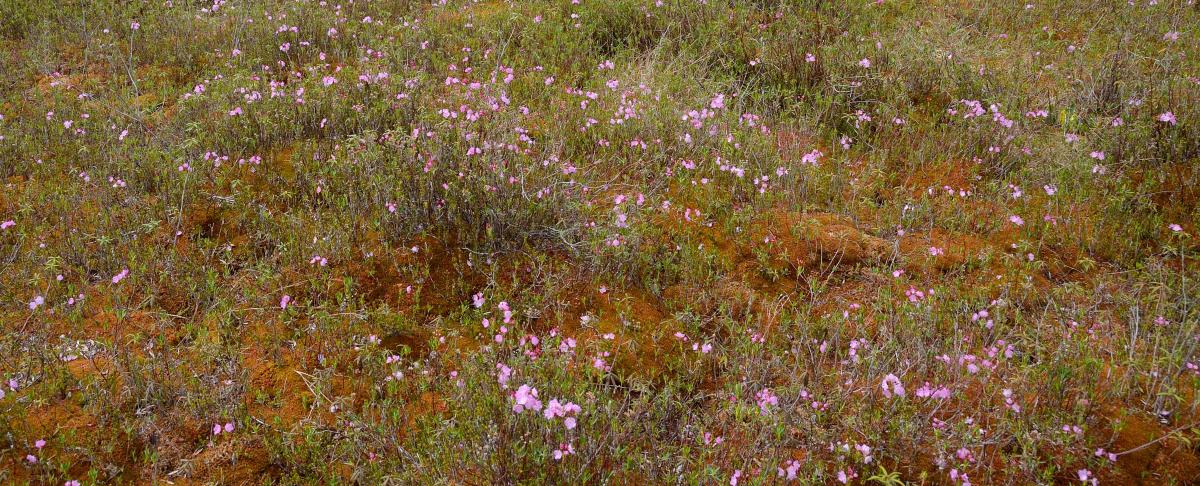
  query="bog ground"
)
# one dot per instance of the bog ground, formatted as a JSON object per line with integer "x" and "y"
{"x": 935, "y": 242}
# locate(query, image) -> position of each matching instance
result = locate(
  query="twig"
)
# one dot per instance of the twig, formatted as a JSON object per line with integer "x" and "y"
{"x": 1160, "y": 439}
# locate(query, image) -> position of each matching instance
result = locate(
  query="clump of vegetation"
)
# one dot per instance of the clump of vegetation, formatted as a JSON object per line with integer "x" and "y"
{"x": 586, "y": 241}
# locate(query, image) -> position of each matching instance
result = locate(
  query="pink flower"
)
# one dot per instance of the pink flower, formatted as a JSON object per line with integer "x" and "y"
{"x": 927, "y": 391}
{"x": 217, "y": 428}
{"x": 560, "y": 409}
{"x": 811, "y": 158}
{"x": 718, "y": 102}
{"x": 563, "y": 450}
{"x": 766, "y": 399}
{"x": 789, "y": 473}
{"x": 964, "y": 454}
{"x": 1175, "y": 227}
{"x": 526, "y": 398}
{"x": 284, "y": 301}
{"x": 120, "y": 276}
{"x": 1016, "y": 220}
{"x": 7, "y": 224}
{"x": 503, "y": 374}
{"x": 1167, "y": 117}
{"x": 553, "y": 409}
{"x": 865, "y": 450}
{"x": 866, "y": 63}
{"x": 891, "y": 384}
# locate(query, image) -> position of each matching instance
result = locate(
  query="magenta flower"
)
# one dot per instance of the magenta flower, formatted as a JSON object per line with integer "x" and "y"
{"x": 1167, "y": 117}
{"x": 120, "y": 276}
